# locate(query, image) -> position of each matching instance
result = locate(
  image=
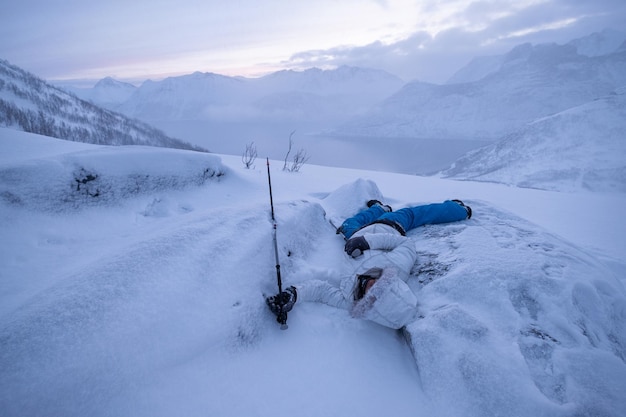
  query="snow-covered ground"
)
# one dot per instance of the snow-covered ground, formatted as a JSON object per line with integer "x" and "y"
{"x": 131, "y": 284}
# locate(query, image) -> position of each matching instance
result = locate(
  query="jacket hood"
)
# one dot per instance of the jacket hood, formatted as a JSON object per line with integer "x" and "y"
{"x": 390, "y": 302}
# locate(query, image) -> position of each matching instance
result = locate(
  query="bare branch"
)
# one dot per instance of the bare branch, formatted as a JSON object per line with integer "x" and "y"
{"x": 299, "y": 159}
{"x": 249, "y": 156}
{"x": 289, "y": 150}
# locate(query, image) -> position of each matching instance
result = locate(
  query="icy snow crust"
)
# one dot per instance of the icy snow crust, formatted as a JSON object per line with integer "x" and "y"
{"x": 151, "y": 303}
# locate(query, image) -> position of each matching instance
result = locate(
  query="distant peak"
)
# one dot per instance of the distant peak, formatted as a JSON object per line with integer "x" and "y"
{"x": 108, "y": 82}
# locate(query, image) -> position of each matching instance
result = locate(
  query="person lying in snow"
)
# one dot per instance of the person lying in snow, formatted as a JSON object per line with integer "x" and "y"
{"x": 377, "y": 290}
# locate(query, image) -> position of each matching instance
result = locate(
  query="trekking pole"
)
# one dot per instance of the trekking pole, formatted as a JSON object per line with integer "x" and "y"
{"x": 282, "y": 315}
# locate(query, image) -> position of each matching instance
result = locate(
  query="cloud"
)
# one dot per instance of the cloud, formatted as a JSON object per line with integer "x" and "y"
{"x": 414, "y": 39}
{"x": 482, "y": 28}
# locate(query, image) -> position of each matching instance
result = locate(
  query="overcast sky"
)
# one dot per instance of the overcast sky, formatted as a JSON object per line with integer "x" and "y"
{"x": 428, "y": 40}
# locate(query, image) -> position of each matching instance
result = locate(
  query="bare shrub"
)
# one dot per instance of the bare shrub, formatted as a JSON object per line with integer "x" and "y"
{"x": 249, "y": 156}
{"x": 299, "y": 159}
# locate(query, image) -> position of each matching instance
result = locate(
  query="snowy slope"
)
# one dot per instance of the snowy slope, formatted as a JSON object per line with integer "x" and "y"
{"x": 30, "y": 104}
{"x": 149, "y": 303}
{"x": 531, "y": 81}
{"x": 582, "y": 148}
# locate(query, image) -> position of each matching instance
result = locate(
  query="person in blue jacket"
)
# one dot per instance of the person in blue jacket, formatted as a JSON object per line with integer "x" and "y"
{"x": 402, "y": 220}
{"x": 375, "y": 239}
{"x": 407, "y": 218}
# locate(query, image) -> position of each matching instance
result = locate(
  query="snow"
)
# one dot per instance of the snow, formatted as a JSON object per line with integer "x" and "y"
{"x": 148, "y": 302}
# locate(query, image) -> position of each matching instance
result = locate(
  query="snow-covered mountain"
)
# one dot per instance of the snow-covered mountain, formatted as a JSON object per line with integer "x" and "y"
{"x": 529, "y": 82}
{"x": 583, "y": 148}
{"x": 186, "y": 97}
{"x": 30, "y": 104}
{"x": 600, "y": 43}
{"x": 137, "y": 290}
{"x": 108, "y": 92}
{"x": 344, "y": 80}
{"x": 312, "y": 94}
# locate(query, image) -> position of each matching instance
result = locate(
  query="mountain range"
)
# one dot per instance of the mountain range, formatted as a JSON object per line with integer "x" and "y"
{"x": 494, "y": 96}
{"x": 485, "y": 100}
{"x": 310, "y": 94}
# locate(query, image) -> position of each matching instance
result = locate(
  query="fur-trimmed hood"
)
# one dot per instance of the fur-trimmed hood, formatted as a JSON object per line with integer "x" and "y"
{"x": 390, "y": 302}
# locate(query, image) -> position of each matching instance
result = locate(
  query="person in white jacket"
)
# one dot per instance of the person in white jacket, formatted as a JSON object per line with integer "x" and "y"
{"x": 377, "y": 290}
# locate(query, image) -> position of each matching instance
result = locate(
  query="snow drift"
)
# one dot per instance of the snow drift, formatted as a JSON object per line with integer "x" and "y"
{"x": 101, "y": 175}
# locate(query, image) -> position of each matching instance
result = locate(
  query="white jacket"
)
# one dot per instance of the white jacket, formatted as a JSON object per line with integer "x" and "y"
{"x": 390, "y": 301}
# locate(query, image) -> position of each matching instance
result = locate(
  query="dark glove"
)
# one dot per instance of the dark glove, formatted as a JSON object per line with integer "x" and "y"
{"x": 356, "y": 246}
{"x": 283, "y": 302}
{"x": 386, "y": 207}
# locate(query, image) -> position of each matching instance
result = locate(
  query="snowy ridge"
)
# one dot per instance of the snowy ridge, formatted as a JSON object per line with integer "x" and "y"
{"x": 601, "y": 43}
{"x": 153, "y": 306}
{"x": 582, "y": 148}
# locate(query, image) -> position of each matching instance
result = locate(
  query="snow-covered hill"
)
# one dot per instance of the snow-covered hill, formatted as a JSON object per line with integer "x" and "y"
{"x": 30, "y": 104}
{"x": 529, "y": 82}
{"x": 583, "y": 148}
{"x": 149, "y": 302}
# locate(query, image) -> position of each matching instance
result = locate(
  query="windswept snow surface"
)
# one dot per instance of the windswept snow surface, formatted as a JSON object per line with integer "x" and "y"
{"x": 149, "y": 302}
